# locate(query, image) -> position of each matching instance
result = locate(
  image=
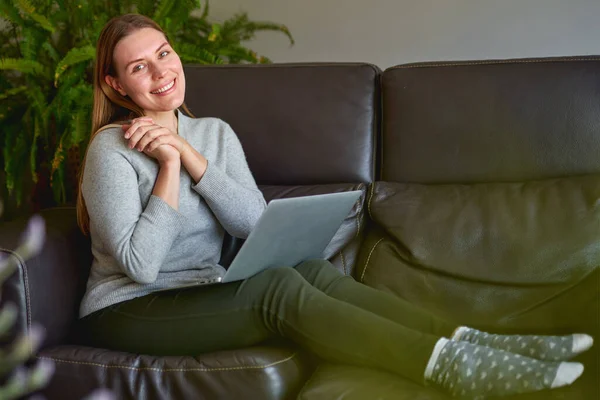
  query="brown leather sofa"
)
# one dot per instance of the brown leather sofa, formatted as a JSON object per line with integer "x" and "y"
{"x": 481, "y": 203}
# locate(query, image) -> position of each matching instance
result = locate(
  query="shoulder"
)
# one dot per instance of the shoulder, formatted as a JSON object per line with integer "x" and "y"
{"x": 108, "y": 140}
{"x": 207, "y": 124}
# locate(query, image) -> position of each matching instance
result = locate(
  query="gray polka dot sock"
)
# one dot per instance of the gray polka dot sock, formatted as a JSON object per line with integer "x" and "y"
{"x": 467, "y": 370}
{"x": 546, "y": 348}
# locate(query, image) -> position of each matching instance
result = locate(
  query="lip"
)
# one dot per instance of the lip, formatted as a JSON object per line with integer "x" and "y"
{"x": 168, "y": 91}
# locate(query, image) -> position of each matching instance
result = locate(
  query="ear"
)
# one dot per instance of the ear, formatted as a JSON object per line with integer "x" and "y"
{"x": 114, "y": 83}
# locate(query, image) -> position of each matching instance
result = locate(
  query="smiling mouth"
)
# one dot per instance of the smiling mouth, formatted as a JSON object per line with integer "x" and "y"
{"x": 164, "y": 88}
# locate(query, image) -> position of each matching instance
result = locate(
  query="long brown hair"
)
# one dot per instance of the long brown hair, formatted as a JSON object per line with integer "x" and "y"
{"x": 109, "y": 105}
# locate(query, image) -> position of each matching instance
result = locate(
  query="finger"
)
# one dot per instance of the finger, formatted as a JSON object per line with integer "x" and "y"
{"x": 130, "y": 122}
{"x": 135, "y": 125}
{"x": 155, "y": 143}
{"x": 150, "y": 136}
{"x": 137, "y": 134}
{"x": 164, "y": 139}
{"x": 169, "y": 138}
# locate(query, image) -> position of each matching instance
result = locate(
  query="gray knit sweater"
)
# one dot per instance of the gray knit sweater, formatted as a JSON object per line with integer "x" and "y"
{"x": 140, "y": 244}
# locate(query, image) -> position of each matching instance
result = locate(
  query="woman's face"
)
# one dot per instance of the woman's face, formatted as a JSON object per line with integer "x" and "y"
{"x": 148, "y": 71}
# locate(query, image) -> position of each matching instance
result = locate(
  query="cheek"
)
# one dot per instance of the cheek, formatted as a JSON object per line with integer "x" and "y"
{"x": 138, "y": 85}
{"x": 177, "y": 63}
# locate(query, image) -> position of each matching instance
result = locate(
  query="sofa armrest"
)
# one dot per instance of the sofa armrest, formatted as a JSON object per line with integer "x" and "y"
{"x": 47, "y": 288}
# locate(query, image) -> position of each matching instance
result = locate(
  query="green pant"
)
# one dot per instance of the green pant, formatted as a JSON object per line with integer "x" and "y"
{"x": 313, "y": 304}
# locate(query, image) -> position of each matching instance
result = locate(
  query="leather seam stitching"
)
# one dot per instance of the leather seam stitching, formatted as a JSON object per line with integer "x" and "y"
{"x": 362, "y": 276}
{"x": 343, "y": 262}
{"x": 360, "y": 210}
{"x": 371, "y": 194}
{"x": 108, "y": 366}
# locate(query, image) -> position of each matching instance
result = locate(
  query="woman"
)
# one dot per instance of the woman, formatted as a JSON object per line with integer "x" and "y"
{"x": 157, "y": 193}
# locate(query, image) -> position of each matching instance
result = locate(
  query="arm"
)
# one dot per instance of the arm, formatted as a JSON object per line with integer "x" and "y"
{"x": 138, "y": 237}
{"x": 167, "y": 183}
{"x": 231, "y": 193}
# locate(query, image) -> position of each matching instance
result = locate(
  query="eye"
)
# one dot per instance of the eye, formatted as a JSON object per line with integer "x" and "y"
{"x": 138, "y": 67}
{"x": 163, "y": 53}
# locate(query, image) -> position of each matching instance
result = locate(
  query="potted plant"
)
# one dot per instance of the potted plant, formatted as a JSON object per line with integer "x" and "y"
{"x": 47, "y": 49}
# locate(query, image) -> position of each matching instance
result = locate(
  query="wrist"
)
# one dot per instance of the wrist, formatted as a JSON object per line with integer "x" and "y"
{"x": 174, "y": 164}
{"x": 184, "y": 148}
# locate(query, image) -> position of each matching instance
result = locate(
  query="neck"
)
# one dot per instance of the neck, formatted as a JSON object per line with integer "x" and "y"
{"x": 168, "y": 119}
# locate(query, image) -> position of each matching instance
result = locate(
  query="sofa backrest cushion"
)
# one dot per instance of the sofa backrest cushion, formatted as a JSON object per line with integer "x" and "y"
{"x": 299, "y": 124}
{"x": 486, "y": 121}
{"x": 507, "y": 254}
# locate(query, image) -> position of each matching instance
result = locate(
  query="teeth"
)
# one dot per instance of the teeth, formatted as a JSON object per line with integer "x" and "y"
{"x": 165, "y": 88}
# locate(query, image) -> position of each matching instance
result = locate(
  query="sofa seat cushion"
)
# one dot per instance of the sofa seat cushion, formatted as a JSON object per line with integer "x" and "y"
{"x": 513, "y": 255}
{"x": 262, "y": 372}
{"x": 340, "y": 382}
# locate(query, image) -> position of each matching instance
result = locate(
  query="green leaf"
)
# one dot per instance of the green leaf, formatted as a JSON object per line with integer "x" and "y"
{"x": 28, "y": 10}
{"x": 163, "y": 10}
{"x": 51, "y": 51}
{"x": 12, "y": 92}
{"x": 145, "y": 7}
{"x": 56, "y": 166}
{"x": 9, "y": 12}
{"x": 74, "y": 56}
{"x": 37, "y": 99}
{"x": 206, "y": 9}
{"x": 30, "y": 43}
{"x": 214, "y": 33}
{"x": 22, "y": 65}
{"x": 37, "y": 131}
{"x": 14, "y": 151}
{"x": 190, "y": 53}
{"x": 57, "y": 180}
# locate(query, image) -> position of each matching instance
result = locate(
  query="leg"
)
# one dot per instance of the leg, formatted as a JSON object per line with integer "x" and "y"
{"x": 278, "y": 301}
{"x": 325, "y": 277}
{"x": 322, "y": 275}
{"x": 456, "y": 367}
{"x": 542, "y": 347}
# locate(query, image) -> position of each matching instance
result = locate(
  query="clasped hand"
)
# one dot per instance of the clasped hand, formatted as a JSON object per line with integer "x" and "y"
{"x": 154, "y": 140}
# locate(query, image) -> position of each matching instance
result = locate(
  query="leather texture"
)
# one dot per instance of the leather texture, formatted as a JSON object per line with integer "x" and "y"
{"x": 48, "y": 287}
{"x": 497, "y": 233}
{"x": 299, "y": 124}
{"x": 501, "y": 256}
{"x": 342, "y": 382}
{"x": 496, "y": 120}
{"x": 262, "y": 372}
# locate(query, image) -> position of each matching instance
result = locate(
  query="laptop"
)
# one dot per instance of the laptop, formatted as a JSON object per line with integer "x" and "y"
{"x": 289, "y": 232}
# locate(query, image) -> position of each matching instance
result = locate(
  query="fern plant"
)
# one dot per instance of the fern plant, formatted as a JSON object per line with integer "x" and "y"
{"x": 47, "y": 49}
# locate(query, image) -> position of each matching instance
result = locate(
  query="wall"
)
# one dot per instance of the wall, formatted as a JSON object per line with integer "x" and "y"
{"x": 389, "y": 32}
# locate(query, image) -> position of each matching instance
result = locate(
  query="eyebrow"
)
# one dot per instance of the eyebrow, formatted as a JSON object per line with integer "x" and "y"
{"x": 141, "y": 59}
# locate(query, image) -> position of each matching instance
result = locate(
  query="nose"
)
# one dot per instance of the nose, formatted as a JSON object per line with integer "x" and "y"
{"x": 158, "y": 72}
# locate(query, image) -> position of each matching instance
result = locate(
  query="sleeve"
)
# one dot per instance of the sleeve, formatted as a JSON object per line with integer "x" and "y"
{"x": 232, "y": 193}
{"x": 138, "y": 239}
